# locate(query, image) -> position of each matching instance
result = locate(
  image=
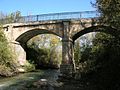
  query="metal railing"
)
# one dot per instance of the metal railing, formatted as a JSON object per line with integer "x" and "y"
{"x": 51, "y": 16}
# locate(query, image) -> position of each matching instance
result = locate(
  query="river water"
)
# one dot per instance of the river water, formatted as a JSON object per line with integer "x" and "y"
{"x": 23, "y": 81}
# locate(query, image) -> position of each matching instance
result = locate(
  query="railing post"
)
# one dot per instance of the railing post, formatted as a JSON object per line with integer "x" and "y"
{"x": 37, "y": 17}
{"x": 80, "y": 15}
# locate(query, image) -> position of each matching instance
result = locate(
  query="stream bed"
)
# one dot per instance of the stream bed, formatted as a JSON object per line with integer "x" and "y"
{"x": 25, "y": 81}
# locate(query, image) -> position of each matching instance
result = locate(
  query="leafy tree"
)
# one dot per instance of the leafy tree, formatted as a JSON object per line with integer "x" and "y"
{"x": 105, "y": 50}
{"x": 82, "y": 48}
{"x": 77, "y": 54}
{"x": 110, "y": 15}
{"x": 10, "y": 18}
{"x": 45, "y": 49}
{"x": 109, "y": 12}
{"x": 7, "y": 60}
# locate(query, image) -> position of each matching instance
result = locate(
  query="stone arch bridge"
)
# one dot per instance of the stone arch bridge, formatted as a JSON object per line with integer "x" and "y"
{"x": 68, "y": 26}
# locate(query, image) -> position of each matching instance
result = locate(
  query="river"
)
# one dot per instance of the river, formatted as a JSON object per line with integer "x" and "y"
{"x": 25, "y": 80}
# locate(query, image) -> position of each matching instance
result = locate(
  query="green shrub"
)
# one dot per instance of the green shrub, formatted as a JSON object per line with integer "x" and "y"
{"x": 29, "y": 66}
{"x": 7, "y": 60}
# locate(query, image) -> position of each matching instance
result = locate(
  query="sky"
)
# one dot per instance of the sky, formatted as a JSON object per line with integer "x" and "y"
{"x": 35, "y": 7}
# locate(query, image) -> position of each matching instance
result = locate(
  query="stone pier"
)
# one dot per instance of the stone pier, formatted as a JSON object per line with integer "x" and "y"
{"x": 67, "y": 66}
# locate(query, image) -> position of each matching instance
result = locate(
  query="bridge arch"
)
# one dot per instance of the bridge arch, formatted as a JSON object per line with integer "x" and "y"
{"x": 21, "y": 42}
{"x": 24, "y": 37}
{"x": 99, "y": 28}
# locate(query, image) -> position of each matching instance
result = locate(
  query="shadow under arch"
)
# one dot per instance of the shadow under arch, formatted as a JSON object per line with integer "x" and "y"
{"x": 100, "y": 28}
{"x": 23, "y": 38}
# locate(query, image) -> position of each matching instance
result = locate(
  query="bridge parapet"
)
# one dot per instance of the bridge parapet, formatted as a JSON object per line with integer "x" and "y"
{"x": 52, "y": 16}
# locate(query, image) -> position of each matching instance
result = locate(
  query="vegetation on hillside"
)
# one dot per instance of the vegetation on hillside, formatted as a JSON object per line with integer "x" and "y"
{"x": 44, "y": 51}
